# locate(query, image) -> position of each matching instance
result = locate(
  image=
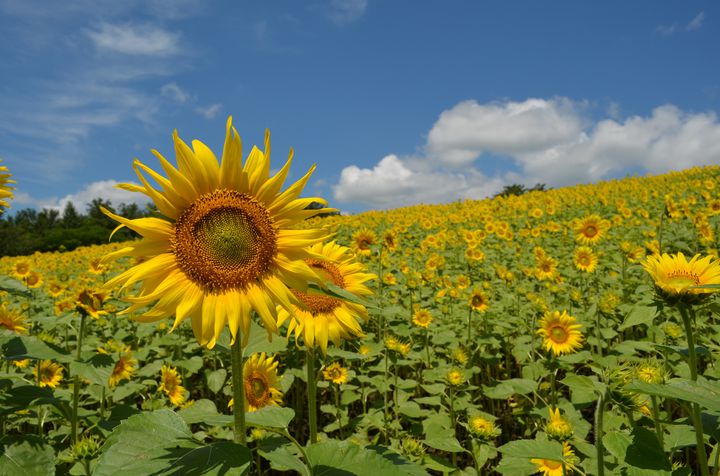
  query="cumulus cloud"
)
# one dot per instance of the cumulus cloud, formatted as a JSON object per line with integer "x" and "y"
{"x": 346, "y": 11}
{"x": 544, "y": 141}
{"x": 129, "y": 39}
{"x": 105, "y": 189}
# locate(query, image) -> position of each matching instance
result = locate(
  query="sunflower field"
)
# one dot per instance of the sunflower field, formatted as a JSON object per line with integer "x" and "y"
{"x": 568, "y": 331}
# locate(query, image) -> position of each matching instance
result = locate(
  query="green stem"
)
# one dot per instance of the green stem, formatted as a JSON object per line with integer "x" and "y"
{"x": 427, "y": 346}
{"x": 469, "y": 328}
{"x": 76, "y": 383}
{"x": 338, "y": 412}
{"x": 599, "y": 415}
{"x": 312, "y": 394}
{"x": 688, "y": 317}
{"x": 385, "y": 398}
{"x": 238, "y": 388}
{"x": 598, "y": 334}
{"x": 656, "y": 417}
{"x": 452, "y": 421}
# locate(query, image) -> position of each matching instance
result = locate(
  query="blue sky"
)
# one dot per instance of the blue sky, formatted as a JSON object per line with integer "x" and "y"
{"x": 398, "y": 102}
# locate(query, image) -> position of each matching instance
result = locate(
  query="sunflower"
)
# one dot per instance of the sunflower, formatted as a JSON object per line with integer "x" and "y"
{"x": 546, "y": 268}
{"x": 54, "y": 289}
{"x": 558, "y": 427}
{"x": 560, "y": 333}
{"x": 33, "y": 280}
{"x": 5, "y": 189}
{"x": 335, "y": 373}
{"x": 363, "y": 239}
{"x": 124, "y": 368}
{"x": 48, "y": 373}
{"x": 12, "y": 320}
{"x": 455, "y": 376}
{"x": 482, "y": 427}
{"x": 590, "y": 230}
{"x": 422, "y": 318}
{"x": 225, "y": 245}
{"x": 478, "y": 301}
{"x": 551, "y": 467}
{"x": 585, "y": 259}
{"x": 261, "y": 382}
{"x": 674, "y": 276}
{"x": 319, "y": 318}
{"x": 90, "y": 303}
{"x": 171, "y": 385}
{"x": 390, "y": 240}
{"x": 21, "y": 269}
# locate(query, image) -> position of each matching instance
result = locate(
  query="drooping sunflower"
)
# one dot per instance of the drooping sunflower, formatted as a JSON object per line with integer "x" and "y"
{"x": 335, "y": 373}
{"x": 585, "y": 260}
{"x": 478, "y": 301}
{"x": 225, "y": 246}
{"x": 124, "y": 368}
{"x": 5, "y": 189}
{"x": 320, "y": 318}
{"x": 171, "y": 385}
{"x": 591, "y": 229}
{"x": 48, "y": 373}
{"x": 561, "y": 334}
{"x": 550, "y": 467}
{"x": 261, "y": 383}
{"x": 674, "y": 275}
{"x": 12, "y": 320}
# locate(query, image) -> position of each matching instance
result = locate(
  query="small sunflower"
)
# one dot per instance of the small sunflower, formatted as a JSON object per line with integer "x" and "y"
{"x": 422, "y": 318}
{"x": 585, "y": 260}
{"x": 124, "y": 368}
{"x": 226, "y": 245}
{"x": 21, "y": 269}
{"x": 674, "y": 275}
{"x": 320, "y": 318}
{"x": 483, "y": 428}
{"x": 335, "y": 373}
{"x": 33, "y": 280}
{"x": 90, "y": 303}
{"x": 560, "y": 333}
{"x": 455, "y": 376}
{"x": 558, "y": 427}
{"x": 5, "y": 189}
{"x": 591, "y": 229}
{"x": 363, "y": 239}
{"x": 550, "y": 467}
{"x": 478, "y": 301}
{"x": 546, "y": 268}
{"x": 48, "y": 373}
{"x": 12, "y": 320}
{"x": 390, "y": 240}
{"x": 171, "y": 385}
{"x": 261, "y": 382}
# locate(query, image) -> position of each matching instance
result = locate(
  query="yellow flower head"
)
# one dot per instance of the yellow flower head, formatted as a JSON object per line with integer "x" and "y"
{"x": 560, "y": 333}
{"x": 483, "y": 428}
{"x": 455, "y": 376}
{"x": 422, "y": 318}
{"x": 319, "y": 318}
{"x": 48, "y": 373}
{"x": 460, "y": 356}
{"x": 549, "y": 467}
{"x": 124, "y": 368}
{"x": 363, "y": 239}
{"x": 335, "y": 373}
{"x": 171, "y": 385}
{"x": 12, "y": 320}
{"x": 585, "y": 259}
{"x": 90, "y": 303}
{"x": 33, "y": 280}
{"x": 225, "y": 245}
{"x": 558, "y": 427}
{"x": 674, "y": 275}
{"x": 591, "y": 229}
{"x": 478, "y": 301}
{"x": 261, "y": 382}
{"x": 21, "y": 269}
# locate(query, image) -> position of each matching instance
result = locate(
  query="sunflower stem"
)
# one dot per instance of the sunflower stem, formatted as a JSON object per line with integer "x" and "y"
{"x": 656, "y": 418}
{"x": 600, "y": 450}
{"x": 238, "y": 388}
{"x": 312, "y": 394}
{"x": 76, "y": 383}
{"x": 688, "y": 316}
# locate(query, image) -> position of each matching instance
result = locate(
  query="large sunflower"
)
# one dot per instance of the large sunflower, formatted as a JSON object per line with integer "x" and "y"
{"x": 591, "y": 229}
{"x": 561, "y": 334}
{"x": 5, "y": 189}
{"x": 675, "y": 276}
{"x": 225, "y": 245}
{"x": 319, "y": 318}
{"x": 550, "y": 467}
{"x": 12, "y": 320}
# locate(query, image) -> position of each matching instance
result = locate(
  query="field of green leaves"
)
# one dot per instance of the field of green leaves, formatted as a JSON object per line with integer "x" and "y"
{"x": 532, "y": 334}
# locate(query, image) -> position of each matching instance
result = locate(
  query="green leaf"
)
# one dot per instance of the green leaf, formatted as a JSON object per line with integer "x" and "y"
{"x": 704, "y": 393}
{"x": 278, "y": 451}
{"x": 679, "y": 436}
{"x": 445, "y": 443}
{"x": 27, "y": 458}
{"x": 332, "y": 457}
{"x": 97, "y": 370}
{"x": 270, "y": 416}
{"x": 160, "y": 443}
{"x": 640, "y": 451}
{"x": 17, "y": 347}
{"x": 204, "y": 411}
{"x": 507, "y": 388}
{"x": 216, "y": 380}
{"x": 13, "y": 286}
{"x": 638, "y": 315}
{"x": 551, "y": 450}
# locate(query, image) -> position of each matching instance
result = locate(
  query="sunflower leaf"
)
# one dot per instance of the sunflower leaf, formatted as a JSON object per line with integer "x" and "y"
{"x": 13, "y": 286}
{"x": 271, "y": 417}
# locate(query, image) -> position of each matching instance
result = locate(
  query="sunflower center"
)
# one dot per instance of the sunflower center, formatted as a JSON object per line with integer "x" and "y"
{"x": 477, "y": 301}
{"x": 683, "y": 278}
{"x": 316, "y": 303}
{"x": 590, "y": 231}
{"x": 257, "y": 390}
{"x": 558, "y": 334}
{"x": 584, "y": 260}
{"x": 224, "y": 240}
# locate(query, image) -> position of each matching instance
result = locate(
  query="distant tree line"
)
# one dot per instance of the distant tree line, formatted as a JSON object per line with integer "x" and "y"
{"x": 518, "y": 189}
{"x": 30, "y": 230}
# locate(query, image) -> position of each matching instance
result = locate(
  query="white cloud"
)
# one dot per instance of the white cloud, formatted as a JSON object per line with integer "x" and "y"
{"x": 545, "y": 141}
{"x": 105, "y": 189}
{"x": 467, "y": 130}
{"x": 172, "y": 90}
{"x": 696, "y": 22}
{"x": 209, "y": 112}
{"x": 140, "y": 39}
{"x": 346, "y": 11}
